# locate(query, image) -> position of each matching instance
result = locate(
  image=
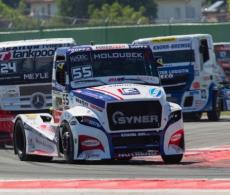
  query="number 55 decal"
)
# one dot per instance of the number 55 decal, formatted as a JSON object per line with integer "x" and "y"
{"x": 82, "y": 72}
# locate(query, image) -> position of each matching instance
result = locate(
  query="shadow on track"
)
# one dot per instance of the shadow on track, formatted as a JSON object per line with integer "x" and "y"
{"x": 125, "y": 162}
{"x": 222, "y": 120}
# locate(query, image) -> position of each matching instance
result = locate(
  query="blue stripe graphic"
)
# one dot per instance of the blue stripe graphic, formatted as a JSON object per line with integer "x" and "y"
{"x": 94, "y": 97}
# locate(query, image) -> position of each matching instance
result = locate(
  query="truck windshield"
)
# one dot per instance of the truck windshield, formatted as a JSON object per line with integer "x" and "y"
{"x": 223, "y": 55}
{"x": 176, "y": 56}
{"x": 26, "y": 70}
{"x": 112, "y": 63}
{"x": 223, "y": 59}
{"x": 177, "y": 72}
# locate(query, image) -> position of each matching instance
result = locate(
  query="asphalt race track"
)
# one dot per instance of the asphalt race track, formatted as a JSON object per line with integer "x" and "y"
{"x": 207, "y": 156}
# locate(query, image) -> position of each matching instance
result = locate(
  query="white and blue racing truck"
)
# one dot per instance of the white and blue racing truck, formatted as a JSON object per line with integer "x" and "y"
{"x": 107, "y": 104}
{"x": 190, "y": 74}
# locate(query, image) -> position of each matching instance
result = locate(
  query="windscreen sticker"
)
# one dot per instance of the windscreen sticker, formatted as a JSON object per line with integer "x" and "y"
{"x": 82, "y": 72}
{"x": 165, "y": 39}
{"x": 171, "y": 46}
{"x": 115, "y": 55}
{"x": 8, "y": 68}
{"x": 79, "y": 58}
{"x": 170, "y": 74}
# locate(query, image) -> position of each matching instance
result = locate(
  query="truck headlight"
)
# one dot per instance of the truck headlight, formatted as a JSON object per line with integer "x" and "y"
{"x": 175, "y": 116}
{"x": 89, "y": 121}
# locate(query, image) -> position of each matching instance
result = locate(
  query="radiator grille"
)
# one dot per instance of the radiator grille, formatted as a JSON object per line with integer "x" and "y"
{"x": 134, "y": 115}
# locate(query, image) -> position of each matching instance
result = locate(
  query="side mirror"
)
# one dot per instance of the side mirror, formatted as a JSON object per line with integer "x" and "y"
{"x": 60, "y": 73}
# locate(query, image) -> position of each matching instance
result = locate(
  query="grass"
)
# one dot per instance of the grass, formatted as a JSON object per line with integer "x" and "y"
{"x": 226, "y": 113}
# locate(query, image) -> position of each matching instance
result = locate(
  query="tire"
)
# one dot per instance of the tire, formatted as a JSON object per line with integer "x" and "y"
{"x": 195, "y": 116}
{"x": 2, "y": 145}
{"x": 172, "y": 159}
{"x": 214, "y": 114}
{"x": 20, "y": 141}
{"x": 67, "y": 143}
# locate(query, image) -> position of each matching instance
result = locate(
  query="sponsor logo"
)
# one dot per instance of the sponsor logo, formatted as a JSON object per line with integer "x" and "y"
{"x": 133, "y": 154}
{"x": 155, "y": 92}
{"x": 38, "y": 100}
{"x": 135, "y": 134}
{"x": 79, "y": 58}
{"x": 172, "y": 46}
{"x": 33, "y": 53}
{"x": 166, "y": 39}
{"x": 129, "y": 91}
{"x": 82, "y": 102}
{"x": 82, "y": 48}
{"x": 6, "y": 56}
{"x": 119, "y": 118}
{"x": 90, "y": 143}
{"x": 118, "y": 55}
{"x": 35, "y": 76}
{"x": 114, "y": 46}
{"x": 116, "y": 79}
{"x": 160, "y": 47}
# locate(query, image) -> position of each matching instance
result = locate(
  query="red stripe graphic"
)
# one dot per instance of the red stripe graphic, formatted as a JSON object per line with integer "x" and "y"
{"x": 108, "y": 92}
{"x": 119, "y": 184}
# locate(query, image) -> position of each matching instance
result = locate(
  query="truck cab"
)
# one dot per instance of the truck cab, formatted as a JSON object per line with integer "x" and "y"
{"x": 107, "y": 104}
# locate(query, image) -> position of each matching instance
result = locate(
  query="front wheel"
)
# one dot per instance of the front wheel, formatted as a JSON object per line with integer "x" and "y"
{"x": 194, "y": 116}
{"x": 172, "y": 159}
{"x": 20, "y": 141}
{"x": 67, "y": 143}
{"x": 214, "y": 114}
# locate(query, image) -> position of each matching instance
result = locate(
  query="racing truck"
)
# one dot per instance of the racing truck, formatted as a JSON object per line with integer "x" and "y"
{"x": 25, "y": 79}
{"x": 107, "y": 104}
{"x": 190, "y": 74}
{"x": 222, "y": 51}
